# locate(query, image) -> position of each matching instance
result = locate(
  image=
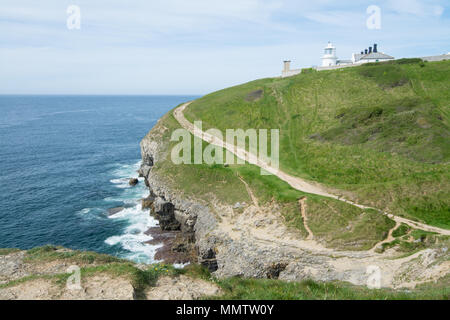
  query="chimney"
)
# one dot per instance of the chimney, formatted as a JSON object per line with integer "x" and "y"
{"x": 287, "y": 65}
{"x": 370, "y": 49}
{"x": 365, "y": 51}
{"x": 375, "y": 49}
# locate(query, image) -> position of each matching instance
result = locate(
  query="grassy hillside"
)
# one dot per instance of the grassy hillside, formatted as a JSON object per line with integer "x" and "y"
{"x": 334, "y": 223}
{"x": 380, "y": 131}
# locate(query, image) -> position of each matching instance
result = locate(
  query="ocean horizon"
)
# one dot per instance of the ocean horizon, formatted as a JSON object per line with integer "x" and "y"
{"x": 66, "y": 160}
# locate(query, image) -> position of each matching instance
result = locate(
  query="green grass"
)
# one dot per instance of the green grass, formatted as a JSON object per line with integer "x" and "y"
{"x": 402, "y": 230}
{"x": 6, "y": 251}
{"x": 266, "y": 289}
{"x": 51, "y": 253}
{"x": 380, "y": 131}
{"x": 347, "y": 227}
{"x": 409, "y": 241}
{"x": 28, "y": 278}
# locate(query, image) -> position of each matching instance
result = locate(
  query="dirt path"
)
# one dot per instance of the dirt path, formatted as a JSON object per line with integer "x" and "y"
{"x": 250, "y": 193}
{"x": 295, "y": 182}
{"x": 302, "y": 204}
{"x": 389, "y": 238}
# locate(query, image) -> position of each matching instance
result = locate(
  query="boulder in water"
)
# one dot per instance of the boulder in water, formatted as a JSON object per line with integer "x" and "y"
{"x": 113, "y": 211}
{"x": 133, "y": 181}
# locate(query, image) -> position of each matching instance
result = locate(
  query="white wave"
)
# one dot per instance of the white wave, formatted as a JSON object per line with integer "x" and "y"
{"x": 89, "y": 214}
{"x": 139, "y": 251}
{"x": 84, "y": 211}
{"x": 127, "y": 170}
{"x": 133, "y": 238}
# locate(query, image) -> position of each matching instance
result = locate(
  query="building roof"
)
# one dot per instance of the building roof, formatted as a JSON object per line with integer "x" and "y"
{"x": 358, "y": 56}
{"x": 372, "y": 56}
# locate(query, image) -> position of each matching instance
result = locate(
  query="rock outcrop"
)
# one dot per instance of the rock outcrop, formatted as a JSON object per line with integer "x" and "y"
{"x": 133, "y": 182}
{"x": 183, "y": 288}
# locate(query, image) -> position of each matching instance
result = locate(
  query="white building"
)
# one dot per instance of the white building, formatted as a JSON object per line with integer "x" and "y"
{"x": 329, "y": 57}
{"x": 331, "y": 61}
{"x": 370, "y": 55}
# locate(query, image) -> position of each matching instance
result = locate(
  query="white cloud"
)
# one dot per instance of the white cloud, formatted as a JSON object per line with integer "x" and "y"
{"x": 416, "y": 7}
{"x": 339, "y": 18}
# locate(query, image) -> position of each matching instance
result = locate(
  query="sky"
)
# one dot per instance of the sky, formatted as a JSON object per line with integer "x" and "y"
{"x": 197, "y": 46}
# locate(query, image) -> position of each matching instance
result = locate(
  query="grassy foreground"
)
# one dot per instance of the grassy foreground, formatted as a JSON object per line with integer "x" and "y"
{"x": 266, "y": 289}
{"x": 231, "y": 288}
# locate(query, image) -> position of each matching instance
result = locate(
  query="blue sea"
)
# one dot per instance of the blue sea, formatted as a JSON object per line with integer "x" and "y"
{"x": 65, "y": 160}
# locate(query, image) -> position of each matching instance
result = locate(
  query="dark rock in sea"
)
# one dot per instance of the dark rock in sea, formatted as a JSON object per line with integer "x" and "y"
{"x": 147, "y": 203}
{"x": 113, "y": 211}
{"x": 133, "y": 181}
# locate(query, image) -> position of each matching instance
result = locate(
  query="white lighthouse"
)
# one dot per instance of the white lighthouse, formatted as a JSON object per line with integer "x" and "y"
{"x": 329, "y": 58}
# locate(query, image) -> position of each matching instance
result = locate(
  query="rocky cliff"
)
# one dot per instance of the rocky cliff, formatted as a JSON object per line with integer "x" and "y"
{"x": 193, "y": 220}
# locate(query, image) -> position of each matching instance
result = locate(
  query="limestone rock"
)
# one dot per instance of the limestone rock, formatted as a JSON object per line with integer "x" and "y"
{"x": 181, "y": 288}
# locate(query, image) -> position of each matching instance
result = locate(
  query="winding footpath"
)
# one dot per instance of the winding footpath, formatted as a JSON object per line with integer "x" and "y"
{"x": 294, "y": 182}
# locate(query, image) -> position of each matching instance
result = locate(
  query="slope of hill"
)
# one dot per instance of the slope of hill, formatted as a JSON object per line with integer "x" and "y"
{"x": 380, "y": 131}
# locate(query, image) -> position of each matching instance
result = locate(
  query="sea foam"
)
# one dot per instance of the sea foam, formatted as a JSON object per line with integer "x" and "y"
{"x": 133, "y": 239}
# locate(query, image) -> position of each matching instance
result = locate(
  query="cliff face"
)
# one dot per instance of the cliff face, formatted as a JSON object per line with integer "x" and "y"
{"x": 193, "y": 220}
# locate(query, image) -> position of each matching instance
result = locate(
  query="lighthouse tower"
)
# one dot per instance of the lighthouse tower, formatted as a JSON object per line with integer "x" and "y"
{"x": 329, "y": 58}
